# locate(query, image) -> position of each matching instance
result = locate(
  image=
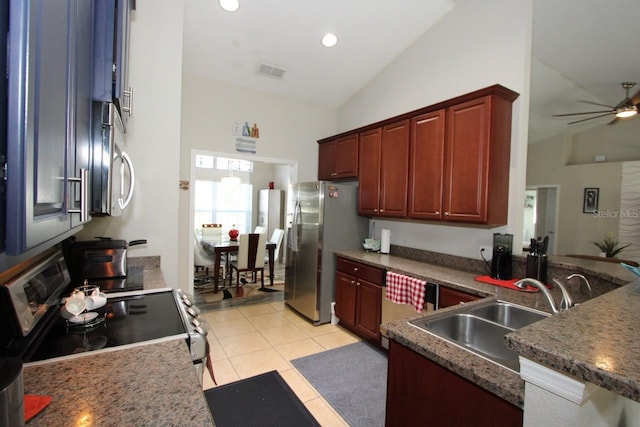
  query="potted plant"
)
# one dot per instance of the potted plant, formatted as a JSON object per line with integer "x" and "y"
{"x": 609, "y": 247}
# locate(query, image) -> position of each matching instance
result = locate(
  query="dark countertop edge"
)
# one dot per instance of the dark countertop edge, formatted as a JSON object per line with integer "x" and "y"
{"x": 536, "y": 351}
{"x": 533, "y": 342}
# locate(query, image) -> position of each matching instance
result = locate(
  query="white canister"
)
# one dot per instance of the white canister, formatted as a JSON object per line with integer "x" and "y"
{"x": 385, "y": 241}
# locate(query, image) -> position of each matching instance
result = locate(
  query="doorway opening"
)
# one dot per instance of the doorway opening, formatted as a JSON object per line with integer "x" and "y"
{"x": 214, "y": 198}
{"x": 541, "y": 215}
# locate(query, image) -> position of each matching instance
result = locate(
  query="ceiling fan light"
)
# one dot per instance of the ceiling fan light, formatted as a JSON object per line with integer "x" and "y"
{"x": 229, "y": 5}
{"x": 627, "y": 112}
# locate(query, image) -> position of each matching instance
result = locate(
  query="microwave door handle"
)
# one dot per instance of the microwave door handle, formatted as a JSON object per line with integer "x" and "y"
{"x": 127, "y": 161}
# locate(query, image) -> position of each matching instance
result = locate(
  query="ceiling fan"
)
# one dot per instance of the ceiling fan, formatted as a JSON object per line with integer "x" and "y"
{"x": 626, "y": 108}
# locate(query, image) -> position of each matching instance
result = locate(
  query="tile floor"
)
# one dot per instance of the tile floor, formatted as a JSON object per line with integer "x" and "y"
{"x": 252, "y": 339}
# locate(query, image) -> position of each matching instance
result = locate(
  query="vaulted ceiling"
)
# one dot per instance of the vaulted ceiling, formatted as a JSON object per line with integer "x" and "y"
{"x": 581, "y": 51}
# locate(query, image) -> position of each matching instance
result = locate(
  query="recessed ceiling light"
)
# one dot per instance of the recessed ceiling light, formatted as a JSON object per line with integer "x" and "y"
{"x": 229, "y": 5}
{"x": 329, "y": 40}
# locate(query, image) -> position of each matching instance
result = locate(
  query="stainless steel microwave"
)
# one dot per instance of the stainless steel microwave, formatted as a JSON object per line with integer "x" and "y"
{"x": 112, "y": 174}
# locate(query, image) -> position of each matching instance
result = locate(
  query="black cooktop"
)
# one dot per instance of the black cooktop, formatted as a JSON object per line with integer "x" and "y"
{"x": 127, "y": 320}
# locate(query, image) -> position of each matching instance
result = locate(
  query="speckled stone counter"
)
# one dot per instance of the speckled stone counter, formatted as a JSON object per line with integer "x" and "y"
{"x": 152, "y": 274}
{"x": 541, "y": 341}
{"x": 148, "y": 385}
{"x": 596, "y": 341}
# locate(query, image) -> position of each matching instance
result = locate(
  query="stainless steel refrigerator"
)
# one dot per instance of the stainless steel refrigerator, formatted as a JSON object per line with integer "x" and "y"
{"x": 323, "y": 218}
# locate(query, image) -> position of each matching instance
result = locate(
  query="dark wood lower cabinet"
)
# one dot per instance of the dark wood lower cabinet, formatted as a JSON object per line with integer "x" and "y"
{"x": 422, "y": 393}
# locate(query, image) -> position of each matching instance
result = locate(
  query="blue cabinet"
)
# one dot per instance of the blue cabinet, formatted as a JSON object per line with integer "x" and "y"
{"x": 111, "y": 55}
{"x": 49, "y": 119}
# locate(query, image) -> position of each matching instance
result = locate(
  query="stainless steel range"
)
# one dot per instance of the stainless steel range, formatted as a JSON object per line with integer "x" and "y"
{"x": 36, "y": 326}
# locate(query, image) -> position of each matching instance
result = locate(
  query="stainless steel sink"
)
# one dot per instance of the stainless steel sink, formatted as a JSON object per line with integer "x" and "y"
{"x": 481, "y": 328}
{"x": 509, "y": 315}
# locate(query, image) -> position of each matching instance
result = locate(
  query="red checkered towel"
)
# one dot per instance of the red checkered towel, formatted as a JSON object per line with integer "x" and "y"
{"x": 403, "y": 289}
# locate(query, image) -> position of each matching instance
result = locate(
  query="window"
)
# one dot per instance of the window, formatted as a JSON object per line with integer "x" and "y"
{"x": 226, "y": 202}
{"x": 222, "y": 163}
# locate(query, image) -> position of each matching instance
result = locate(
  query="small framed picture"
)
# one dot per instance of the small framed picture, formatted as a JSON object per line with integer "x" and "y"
{"x": 590, "y": 203}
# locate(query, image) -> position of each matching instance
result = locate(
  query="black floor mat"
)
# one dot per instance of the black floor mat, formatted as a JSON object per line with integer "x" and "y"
{"x": 268, "y": 290}
{"x": 263, "y": 400}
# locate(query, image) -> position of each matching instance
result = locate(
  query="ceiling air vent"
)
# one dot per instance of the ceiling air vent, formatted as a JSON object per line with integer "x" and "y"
{"x": 270, "y": 71}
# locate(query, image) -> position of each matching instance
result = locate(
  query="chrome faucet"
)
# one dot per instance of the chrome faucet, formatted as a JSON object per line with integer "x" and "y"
{"x": 566, "y": 302}
{"x": 522, "y": 283}
{"x": 584, "y": 279}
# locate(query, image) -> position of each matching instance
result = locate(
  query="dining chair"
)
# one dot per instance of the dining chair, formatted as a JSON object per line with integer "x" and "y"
{"x": 276, "y": 237}
{"x": 212, "y": 231}
{"x": 259, "y": 229}
{"x": 201, "y": 259}
{"x": 251, "y": 250}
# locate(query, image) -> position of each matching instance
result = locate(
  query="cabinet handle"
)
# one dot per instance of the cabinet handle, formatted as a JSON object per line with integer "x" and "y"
{"x": 376, "y": 210}
{"x": 353, "y": 282}
{"x": 446, "y": 214}
{"x": 381, "y": 210}
{"x": 437, "y": 212}
{"x": 83, "y": 179}
{"x": 334, "y": 174}
{"x": 355, "y": 268}
{"x": 128, "y": 108}
{"x": 357, "y": 283}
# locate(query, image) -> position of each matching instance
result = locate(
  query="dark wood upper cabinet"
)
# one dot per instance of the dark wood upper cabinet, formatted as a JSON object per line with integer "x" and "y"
{"x": 338, "y": 158}
{"x": 446, "y": 162}
{"x": 477, "y": 156}
{"x": 384, "y": 158}
{"x": 369, "y": 174}
{"x": 426, "y": 165}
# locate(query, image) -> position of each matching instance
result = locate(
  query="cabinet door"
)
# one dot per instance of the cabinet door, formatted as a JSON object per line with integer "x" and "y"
{"x": 422, "y": 393}
{"x": 347, "y": 157}
{"x": 467, "y": 161}
{"x": 81, "y": 101}
{"x": 111, "y": 54}
{"x": 346, "y": 298}
{"x": 369, "y": 172}
{"x": 368, "y": 308}
{"x": 327, "y": 160}
{"x": 394, "y": 170}
{"x": 426, "y": 162}
{"x": 39, "y": 82}
{"x": 448, "y": 297}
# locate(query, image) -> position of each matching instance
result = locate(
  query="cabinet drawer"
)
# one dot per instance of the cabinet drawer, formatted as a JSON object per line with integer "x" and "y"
{"x": 362, "y": 271}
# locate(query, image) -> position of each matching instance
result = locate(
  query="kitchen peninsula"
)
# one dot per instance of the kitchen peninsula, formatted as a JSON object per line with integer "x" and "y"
{"x": 572, "y": 342}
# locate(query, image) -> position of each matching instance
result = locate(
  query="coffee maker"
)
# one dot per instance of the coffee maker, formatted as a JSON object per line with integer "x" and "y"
{"x": 501, "y": 262}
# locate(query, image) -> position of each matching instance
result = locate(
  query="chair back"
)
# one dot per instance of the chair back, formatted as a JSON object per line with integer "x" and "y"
{"x": 200, "y": 257}
{"x": 212, "y": 231}
{"x": 259, "y": 229}
{"x": 276, "y": 237}
{"x": 251, "y": 247}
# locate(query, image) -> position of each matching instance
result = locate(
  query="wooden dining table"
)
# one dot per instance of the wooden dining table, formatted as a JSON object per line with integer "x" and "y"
{"x": 225, "y": 245}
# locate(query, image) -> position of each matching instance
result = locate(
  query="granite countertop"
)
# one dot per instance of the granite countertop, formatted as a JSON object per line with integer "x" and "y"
{"x": 596, "y": 341}
{"x": 152, "y": 274}
{"x": 577, "y": 342}
{"x": 152, "y": 384}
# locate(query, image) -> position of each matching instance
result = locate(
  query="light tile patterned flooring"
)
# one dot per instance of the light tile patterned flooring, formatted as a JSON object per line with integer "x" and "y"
{"x": 249, "y": 340}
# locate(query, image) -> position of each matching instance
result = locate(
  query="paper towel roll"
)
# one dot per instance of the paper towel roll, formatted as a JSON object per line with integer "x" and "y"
{"x": 385, "y": 241}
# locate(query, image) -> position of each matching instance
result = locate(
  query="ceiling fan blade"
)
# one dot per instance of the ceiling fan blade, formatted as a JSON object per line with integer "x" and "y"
{"x": 590, "y": 118}
{"x": 613, "y": 122}
{"x": 635, "y": 99}
{"x": 598, "y": 104}
{"x": 586, "y": 112}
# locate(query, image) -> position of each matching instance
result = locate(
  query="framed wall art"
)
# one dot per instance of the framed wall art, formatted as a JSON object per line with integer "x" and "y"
{"x": 590, "y": 202}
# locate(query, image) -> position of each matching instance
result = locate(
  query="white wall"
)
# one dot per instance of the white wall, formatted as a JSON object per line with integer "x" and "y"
{"x": 476, "y": 45}
{"x": 153, "y": 136}
{"x": 289, "y": 130}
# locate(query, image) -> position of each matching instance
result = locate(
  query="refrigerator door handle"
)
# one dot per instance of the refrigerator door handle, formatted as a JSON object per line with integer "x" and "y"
{"x": 294, "y": 228}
